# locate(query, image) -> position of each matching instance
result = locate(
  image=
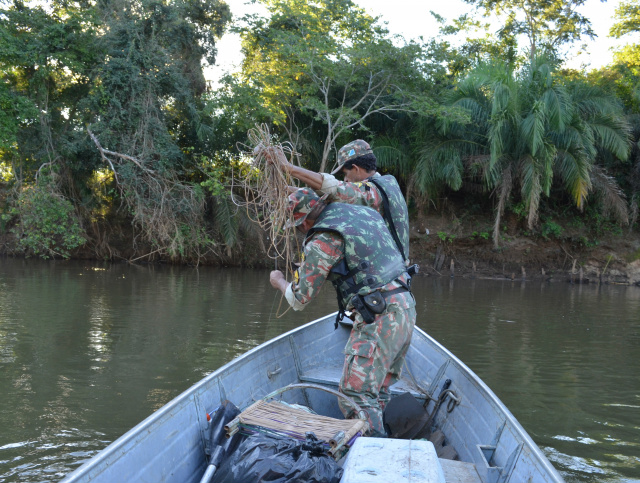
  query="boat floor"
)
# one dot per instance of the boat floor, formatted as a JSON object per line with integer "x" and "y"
{"x": 459, "y": 471}
{"x": 454, "y": 471}
{"x": 330, "y": 376}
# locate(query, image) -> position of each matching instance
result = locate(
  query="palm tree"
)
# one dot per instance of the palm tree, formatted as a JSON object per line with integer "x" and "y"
{"x": 525, "y": 128}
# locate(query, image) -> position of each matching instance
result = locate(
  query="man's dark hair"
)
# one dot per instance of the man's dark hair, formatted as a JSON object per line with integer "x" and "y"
{"x": 366, "y": 162}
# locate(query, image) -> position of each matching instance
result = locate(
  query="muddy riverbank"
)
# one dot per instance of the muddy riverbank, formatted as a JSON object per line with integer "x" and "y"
{"x": 444, "y": 245}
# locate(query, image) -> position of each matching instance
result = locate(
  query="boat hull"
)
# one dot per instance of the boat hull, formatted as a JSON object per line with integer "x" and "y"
{"x": 168, "y": 446}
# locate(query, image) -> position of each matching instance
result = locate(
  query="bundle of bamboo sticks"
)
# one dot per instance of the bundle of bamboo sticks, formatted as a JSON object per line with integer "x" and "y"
{"x": 281, "y": 419}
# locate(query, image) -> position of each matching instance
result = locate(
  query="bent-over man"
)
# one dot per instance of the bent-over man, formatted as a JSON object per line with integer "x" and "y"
{"x": 351, "y": 247}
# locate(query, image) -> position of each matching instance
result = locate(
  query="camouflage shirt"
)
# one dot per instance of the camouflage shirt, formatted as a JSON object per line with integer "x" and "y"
{"x": 321, "y": 252}
{"x": 371, "y": 255}
{"x": 367, "y": 193}
{"x": 355, "y": 235}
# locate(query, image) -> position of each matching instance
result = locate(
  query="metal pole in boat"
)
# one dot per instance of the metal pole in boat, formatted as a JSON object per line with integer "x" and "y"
{"x": 218, "y": 444}
{"x": 206, "y": 478}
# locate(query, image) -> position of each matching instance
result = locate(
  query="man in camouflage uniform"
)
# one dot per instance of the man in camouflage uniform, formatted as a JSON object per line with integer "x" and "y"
{"x": 351, "y": 247}
{"x": 362, "y": 185}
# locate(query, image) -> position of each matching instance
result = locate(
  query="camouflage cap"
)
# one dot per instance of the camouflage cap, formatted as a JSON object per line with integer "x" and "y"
{"x": 350, "y": 151}
{"x": 301, "y": 202}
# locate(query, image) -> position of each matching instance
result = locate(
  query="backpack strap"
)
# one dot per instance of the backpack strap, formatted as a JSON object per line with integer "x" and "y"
{"x": 387, "y": 216}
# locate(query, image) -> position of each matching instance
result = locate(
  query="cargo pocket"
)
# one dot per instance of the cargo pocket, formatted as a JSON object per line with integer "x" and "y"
{"x": 361, "y": 348}
{"x": 356, "y": 373}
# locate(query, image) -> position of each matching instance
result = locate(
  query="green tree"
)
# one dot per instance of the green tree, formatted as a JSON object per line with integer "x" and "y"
{"x": 480, "y": 44}
{"x": 624, "y": 75}
{"x": 627, "y": 19}
{"x": 527, "y": 128}
{"x": 46, "y": 63}
{"x": 328, "y": 64}
{"x": 627, "y": 58}
{"x": 546, "y": 25}
{"x": 151, "y": 77}
{"x": 132, "y": 71}
{"x": 47, "y": 223}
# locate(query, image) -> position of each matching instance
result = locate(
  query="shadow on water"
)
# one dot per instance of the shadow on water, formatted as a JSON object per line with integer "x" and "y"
{"x": 89, "y": 350}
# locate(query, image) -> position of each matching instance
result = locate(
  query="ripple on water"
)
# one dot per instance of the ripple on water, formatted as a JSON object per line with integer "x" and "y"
{"x": 15, "y": 445}
{"x": 581, "y": 439}
{"x": 49, "y": 457}
{"x": 571, "y": 463}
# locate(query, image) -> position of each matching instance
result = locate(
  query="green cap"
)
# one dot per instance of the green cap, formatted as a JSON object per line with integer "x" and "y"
{"x": 301, "y": 202}
{"x": 350, "y": 151}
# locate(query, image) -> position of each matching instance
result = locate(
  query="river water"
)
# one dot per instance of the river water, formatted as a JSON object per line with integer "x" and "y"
{"x": 88, "y": 350}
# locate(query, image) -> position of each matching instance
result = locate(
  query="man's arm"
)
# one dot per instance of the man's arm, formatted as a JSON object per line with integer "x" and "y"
{"x": 312, "y": 179}
{"x": 345, "y": 192}
{"x": 322, "y": 252}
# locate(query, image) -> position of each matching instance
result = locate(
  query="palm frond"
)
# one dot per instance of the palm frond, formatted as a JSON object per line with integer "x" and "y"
{"x": 476, "y": 109}
{"x": 493, "y": 171}
{"x": 575, "y": 170}
{"x": 586, "y": 141}
{"x": 501, "y": 98}
{"x": 497, "y": 139}
{"x": 558, "y": 107}
{"x": 392, "y": 155}
{"x": 613, "y": 199}
{"x": 439, "y": 166}
{"x": 592, "y": 100}
{"x": 545, "y": 72}
{"x": 225, "y": 215}
{"x": 612, "y": 135}
{"x": 546, "y": 159}
{"x": 533, "y": 129}
{"x": 530, "y": 187}
{"x": 567, "y": 139}
{"x": 472, "y": 95}
{"x": 534, "y": 204}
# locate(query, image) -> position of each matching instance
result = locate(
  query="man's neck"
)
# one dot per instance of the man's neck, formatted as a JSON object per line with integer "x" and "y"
{"x": 371, "y": 174}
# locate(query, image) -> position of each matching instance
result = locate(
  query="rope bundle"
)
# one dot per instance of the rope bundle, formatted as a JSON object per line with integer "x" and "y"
{"x": 266, "y": 187}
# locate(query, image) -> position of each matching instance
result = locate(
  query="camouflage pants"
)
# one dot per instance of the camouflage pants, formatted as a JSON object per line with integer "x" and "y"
{"x": 374, "y": 357}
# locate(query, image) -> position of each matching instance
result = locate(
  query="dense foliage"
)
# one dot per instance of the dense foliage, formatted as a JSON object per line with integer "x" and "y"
{"x": 111, "y": 139}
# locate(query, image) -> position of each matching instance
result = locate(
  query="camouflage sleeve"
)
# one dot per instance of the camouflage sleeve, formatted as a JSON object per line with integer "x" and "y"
{"x": 321, "y": 253}
{"x": 352, "y": 193}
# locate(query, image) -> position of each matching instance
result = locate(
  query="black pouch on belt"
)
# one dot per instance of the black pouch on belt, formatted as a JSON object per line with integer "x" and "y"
{"x": 358, "y": 304}
{"x": 375, "y": 302}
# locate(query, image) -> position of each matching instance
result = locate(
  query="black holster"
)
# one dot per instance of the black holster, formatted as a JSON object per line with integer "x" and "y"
{"x": 369, "y": 305}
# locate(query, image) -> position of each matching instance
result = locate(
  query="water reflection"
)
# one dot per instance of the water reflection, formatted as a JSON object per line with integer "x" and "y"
{"x": 559, "y": 356}
{"x": 89, "y": 350}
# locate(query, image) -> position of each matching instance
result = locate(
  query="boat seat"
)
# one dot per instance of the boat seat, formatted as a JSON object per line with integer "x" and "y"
{"x": 330, "y": 376}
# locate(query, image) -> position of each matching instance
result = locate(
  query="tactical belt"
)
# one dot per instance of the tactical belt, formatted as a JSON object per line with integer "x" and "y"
{"x": 375, "y": 303}
{"x": 364, "y": 305}
{"x": 395, "y": 291}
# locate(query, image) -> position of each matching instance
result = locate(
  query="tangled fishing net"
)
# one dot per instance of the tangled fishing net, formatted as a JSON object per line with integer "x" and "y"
{"x": 266, "y": 187}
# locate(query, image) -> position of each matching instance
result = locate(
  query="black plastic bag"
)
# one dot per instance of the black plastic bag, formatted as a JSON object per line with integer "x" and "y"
{"x": 262, "y": 458}
{"x": 217, "y": 446}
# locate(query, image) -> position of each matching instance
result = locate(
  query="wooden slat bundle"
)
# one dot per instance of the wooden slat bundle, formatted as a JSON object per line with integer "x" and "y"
{"x": 296, "y": 422}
